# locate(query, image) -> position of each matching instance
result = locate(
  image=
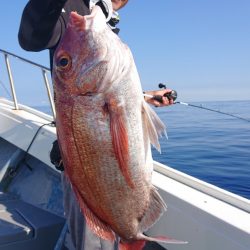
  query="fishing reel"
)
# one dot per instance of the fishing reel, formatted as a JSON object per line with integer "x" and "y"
{"x": 170, "y": 95}
{"x": 173, "y": 96}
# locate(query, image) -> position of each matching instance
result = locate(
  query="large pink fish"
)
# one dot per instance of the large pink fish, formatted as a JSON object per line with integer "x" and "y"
{"x": 105, "y": 128}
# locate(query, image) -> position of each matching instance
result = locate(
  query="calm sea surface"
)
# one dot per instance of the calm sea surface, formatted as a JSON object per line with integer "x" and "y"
{"x": 207, "y": 145}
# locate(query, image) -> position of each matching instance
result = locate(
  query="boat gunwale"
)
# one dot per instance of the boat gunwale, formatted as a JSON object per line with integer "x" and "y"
{"x": 205, "y": 187}
{"x": 190, "y": 181}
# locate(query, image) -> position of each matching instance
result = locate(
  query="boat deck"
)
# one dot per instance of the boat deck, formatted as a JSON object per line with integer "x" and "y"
{"x": 31, "y": 202}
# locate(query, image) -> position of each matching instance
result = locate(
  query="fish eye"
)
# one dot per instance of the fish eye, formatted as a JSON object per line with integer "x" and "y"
{"x": 64, "y": 62}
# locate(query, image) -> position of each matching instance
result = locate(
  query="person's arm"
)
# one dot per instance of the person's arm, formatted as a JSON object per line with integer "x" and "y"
{"x": 41, "y": 26}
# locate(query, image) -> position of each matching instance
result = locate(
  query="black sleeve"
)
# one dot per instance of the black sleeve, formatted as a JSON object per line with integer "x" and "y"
{"x": 41, "y": 24}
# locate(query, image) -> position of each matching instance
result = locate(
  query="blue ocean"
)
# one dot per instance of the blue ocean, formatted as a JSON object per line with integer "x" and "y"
{"x": 210, "y": 146}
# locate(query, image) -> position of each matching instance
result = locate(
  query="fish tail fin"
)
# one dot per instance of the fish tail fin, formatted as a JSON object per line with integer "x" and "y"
{"x": 136, "y": 245}
{"x": 155, "y": 127}
{"x": 156, "y": 208}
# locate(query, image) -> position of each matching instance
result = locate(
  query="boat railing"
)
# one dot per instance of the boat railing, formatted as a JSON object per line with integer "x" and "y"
{"x": 44, "y": 70}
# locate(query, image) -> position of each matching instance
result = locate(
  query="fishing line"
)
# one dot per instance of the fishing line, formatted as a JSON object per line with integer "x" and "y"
{"x": 12, "y": 171}
{"x": 213, "y": 110}
{"x": 173, "y": 95}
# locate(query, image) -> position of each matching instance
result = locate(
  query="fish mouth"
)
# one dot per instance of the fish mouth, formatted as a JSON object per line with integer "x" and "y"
{"x": 77, "y": 21}
{"x": 87, "y": 94}
{"x": 82, "y": 23}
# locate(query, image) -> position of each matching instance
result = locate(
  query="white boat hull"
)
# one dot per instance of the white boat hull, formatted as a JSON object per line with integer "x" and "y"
{"x": 202, "y": 214}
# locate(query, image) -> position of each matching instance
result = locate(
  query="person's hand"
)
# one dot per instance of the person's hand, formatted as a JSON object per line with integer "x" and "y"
{"x": 105, "y": 5}
{"x": 165, "y": 100}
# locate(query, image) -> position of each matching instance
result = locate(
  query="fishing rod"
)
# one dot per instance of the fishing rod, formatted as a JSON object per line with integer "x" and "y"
{"x": 173, "y": 95}
{"x": 213, "y": 110}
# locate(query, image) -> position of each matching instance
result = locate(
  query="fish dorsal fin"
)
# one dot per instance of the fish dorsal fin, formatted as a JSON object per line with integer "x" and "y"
{"x": 101, "y": 229}
{"x": 155, "y": 209}
{"x": 154, "y": 126}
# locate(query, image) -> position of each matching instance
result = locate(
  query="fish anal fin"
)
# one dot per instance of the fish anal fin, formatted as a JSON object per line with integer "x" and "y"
{"x": 154, "y": 211}
{"x": 119, "y": 137}
{"x": 101, "y": 229}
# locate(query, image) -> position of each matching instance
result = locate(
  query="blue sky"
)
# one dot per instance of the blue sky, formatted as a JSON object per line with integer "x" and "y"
{"x": 201, "y": 48}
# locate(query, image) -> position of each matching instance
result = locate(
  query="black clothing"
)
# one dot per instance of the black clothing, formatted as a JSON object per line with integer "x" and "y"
{"x": 43, "y": 23}
{"x": 55, "y": 156}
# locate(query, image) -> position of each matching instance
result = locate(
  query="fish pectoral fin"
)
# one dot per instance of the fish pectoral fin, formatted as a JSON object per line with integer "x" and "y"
{"x": 119, "y": 137}
{"x": 155, "y": 209}
{"x": 154, "y": 126}
{"x": 97, "y": 226}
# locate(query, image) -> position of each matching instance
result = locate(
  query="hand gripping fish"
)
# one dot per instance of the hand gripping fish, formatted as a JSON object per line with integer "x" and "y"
{"x": 104, "y": 130}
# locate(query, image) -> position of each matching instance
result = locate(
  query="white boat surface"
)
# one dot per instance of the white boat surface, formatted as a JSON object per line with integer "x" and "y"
{"x": 31, "y": 211}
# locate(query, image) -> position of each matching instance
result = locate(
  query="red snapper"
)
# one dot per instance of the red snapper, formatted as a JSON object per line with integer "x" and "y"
{"x": 104, "y": 130}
